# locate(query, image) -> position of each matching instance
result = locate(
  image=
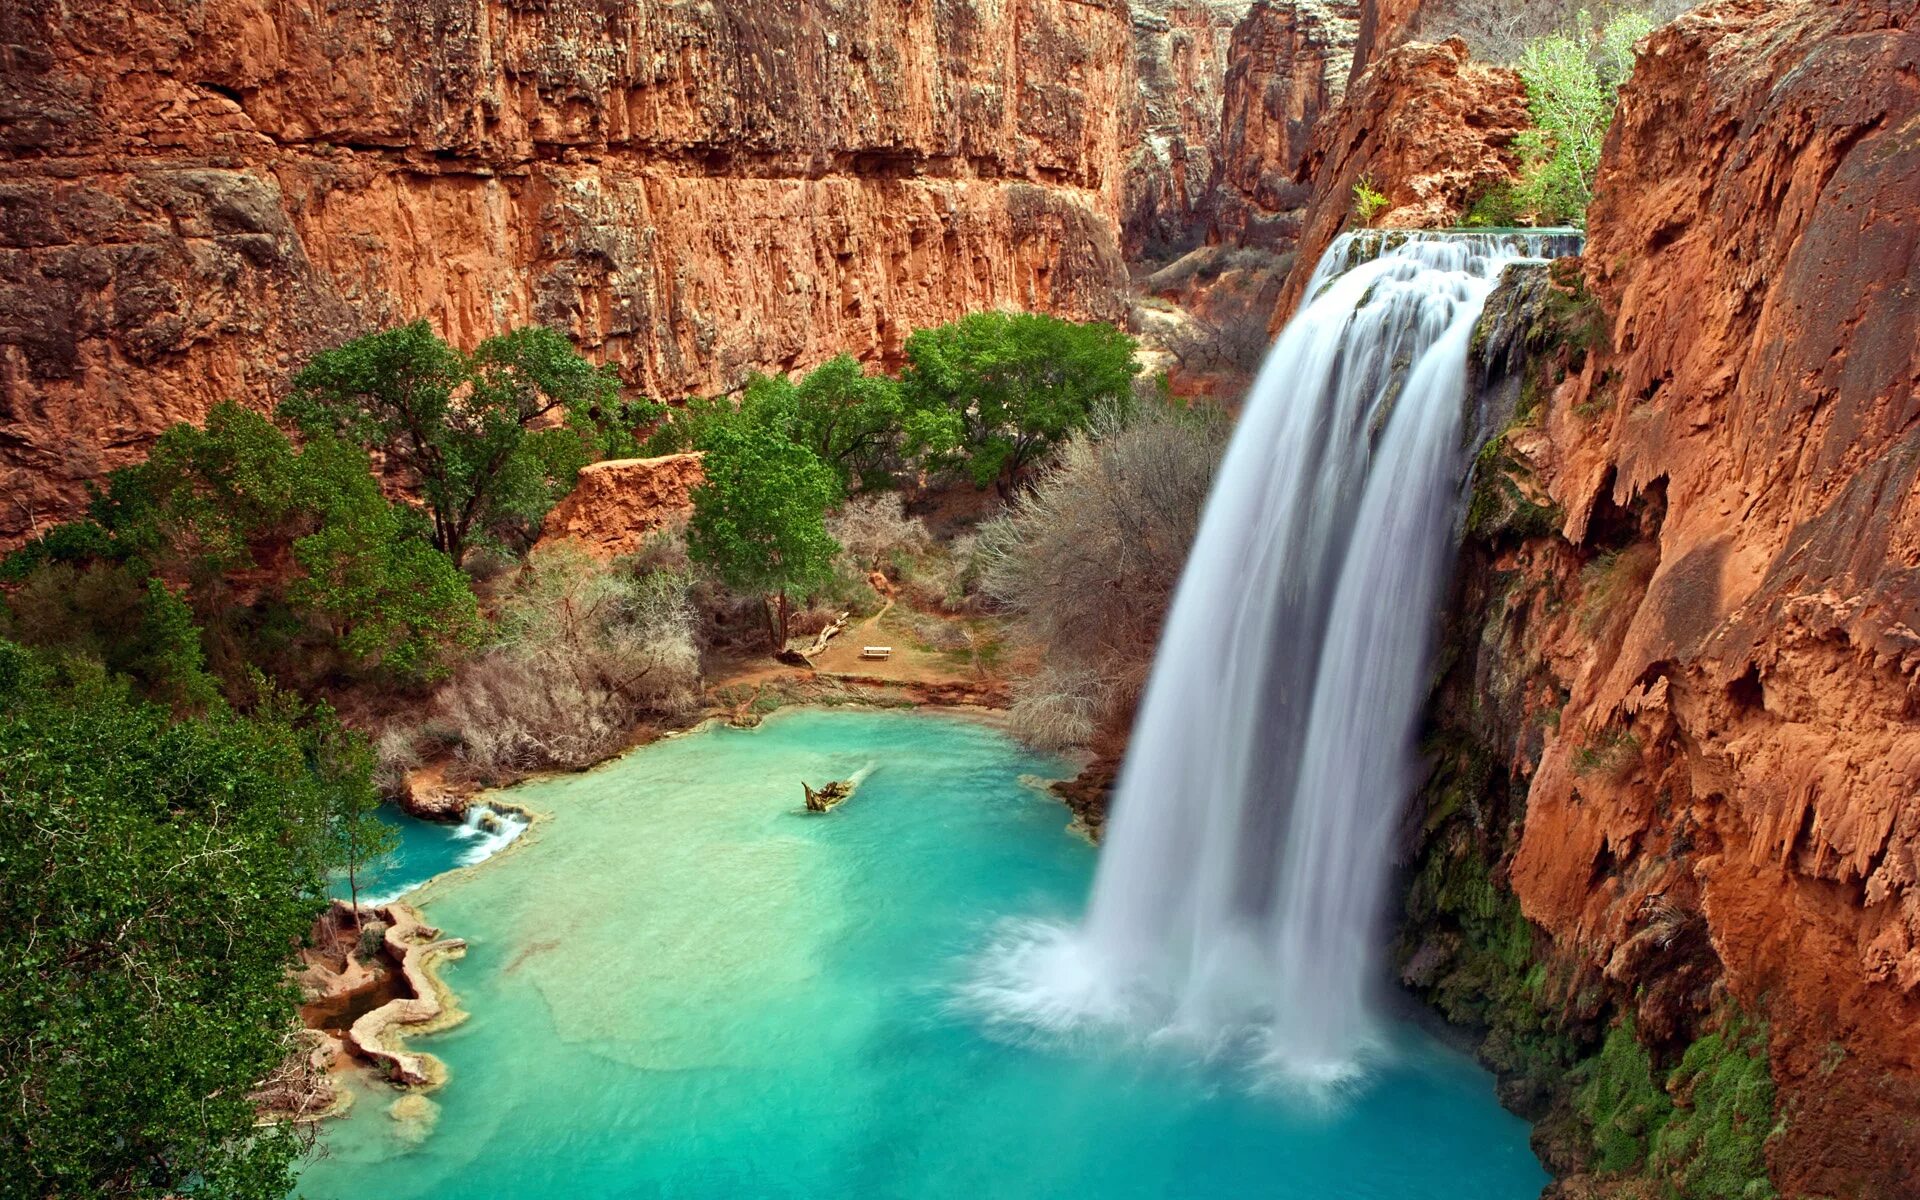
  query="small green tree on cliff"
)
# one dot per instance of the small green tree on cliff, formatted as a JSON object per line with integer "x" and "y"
{"x": 759, "y": 520}
{"x": 490, "y": 439}
{"x": 994, "y": 392}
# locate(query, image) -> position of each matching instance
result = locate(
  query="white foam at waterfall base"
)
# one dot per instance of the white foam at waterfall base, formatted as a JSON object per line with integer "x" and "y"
{"x": 488, "y": 831}
{"x": 1238, "y": 906}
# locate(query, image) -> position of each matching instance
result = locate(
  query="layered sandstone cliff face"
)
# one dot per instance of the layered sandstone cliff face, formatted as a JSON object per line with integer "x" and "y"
{"x": 1692, "y": 641}
{"x": 193, "y": 197}
{"x": 1288, "y": 67}
{"x": 1183, "y": 49}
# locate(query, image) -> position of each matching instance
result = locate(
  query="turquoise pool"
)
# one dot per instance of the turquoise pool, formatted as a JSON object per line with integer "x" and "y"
{"x": 687, "y": 987}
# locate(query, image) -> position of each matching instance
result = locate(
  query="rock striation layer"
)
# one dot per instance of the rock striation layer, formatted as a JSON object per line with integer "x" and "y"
{"x": 194, "y": 197}
{"x": 1692, "y": 646}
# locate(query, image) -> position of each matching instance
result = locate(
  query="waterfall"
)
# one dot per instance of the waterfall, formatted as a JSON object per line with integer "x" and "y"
{"x": 489, "y": 830}
{"x": 1240, "y": 894}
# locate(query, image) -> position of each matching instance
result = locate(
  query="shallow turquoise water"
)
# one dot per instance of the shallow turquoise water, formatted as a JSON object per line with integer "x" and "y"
{"x": 422, "y": 850}
{"x": 686, "y": 987}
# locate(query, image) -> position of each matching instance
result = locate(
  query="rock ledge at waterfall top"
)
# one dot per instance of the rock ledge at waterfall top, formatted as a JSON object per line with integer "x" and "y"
{"x": 1431, "y": 129}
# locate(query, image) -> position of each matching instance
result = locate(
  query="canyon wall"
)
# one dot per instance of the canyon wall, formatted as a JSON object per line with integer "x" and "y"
{"x": 1182, "y": 52}
{"x": 1287, "y": 68}
{"x": 195, "y": 196}
{"x": 1682, "y": 722}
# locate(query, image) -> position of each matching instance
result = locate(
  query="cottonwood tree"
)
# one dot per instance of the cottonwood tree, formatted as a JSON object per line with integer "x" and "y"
{"x": 852, "y": 421}
{"x": 993, "y": 393}
{"x": 489, "y": 439}
{"x": 759, "y": 519}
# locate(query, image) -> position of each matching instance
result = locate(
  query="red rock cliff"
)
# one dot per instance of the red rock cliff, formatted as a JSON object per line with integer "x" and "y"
{"x": 1730, "y": 612}
{"x": 1287, "y": 69}
{"x": 1427, "y": 126}
{"x": 195, "y": 196}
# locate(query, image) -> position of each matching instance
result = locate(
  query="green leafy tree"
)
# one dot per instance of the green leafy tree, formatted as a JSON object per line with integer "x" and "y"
{"x": 759, "y": 519}
{"x": 155, "y": 880}
{"x": 994, "y": 392}
{"x": 852, "y": 421}
{"x": 385, "y": 596}
{"x": 1572, "y": 81}
{"x": 490, "y": 440}
{"x": 226, "y": 510}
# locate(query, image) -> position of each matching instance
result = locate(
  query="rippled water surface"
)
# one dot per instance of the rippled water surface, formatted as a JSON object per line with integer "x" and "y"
{"x": 684, "y": 986}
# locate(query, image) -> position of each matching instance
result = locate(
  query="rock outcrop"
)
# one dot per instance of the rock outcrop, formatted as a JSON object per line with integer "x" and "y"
{"x": 1288, "y": 67}
{"x": 195, "y": 197}
{"x": 1427, "y": 127}
{"x": 1183, "y": 49}
{"x": 618, "y": 504}
{"x": 1691, "y": 649}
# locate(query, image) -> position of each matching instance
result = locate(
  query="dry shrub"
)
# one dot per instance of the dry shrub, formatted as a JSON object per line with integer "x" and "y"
{"x": 1059, "y": 708}
{"x": 871, "y": 528}
{"x": 1087, "y": 561}
{"x": 584, "y": 651}
{"x": 396, "y": 755}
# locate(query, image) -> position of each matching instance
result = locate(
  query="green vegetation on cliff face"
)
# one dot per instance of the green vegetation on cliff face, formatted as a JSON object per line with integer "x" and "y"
{"x": 1691, "y": 1113}
{"x": 155, "y": 877}
{"x": 1572, "y": 78}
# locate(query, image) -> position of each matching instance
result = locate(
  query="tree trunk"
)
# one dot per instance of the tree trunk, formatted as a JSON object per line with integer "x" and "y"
{"x": 777, "y": 620}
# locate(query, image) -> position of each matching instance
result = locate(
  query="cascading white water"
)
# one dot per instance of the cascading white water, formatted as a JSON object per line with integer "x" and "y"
{"x": 1240, "y": 890}
{"x": 490, "y": 830}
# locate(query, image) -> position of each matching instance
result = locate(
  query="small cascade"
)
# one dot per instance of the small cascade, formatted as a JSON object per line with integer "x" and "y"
{"x": 1239, "y": 899}
{"x": 487, "y": 831}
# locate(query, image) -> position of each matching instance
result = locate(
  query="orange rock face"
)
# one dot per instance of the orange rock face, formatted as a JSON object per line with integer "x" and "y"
{"x": 618, "y": 504}
{"x": 1182, "y": 52}
{"x": 1428, "y": 127}
{"x": 1740, "y": 736}
{"x": 195, "y": 197}
{"x": 1288, "y": 67}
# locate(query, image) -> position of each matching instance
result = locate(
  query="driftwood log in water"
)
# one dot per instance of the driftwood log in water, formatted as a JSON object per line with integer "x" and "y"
{"x": 828, "y": 796}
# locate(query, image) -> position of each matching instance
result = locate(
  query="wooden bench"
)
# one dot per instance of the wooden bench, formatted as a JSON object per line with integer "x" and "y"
{"x": 876, "y": 652}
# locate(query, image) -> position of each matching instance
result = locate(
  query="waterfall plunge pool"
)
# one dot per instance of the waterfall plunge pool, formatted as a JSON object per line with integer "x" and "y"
{"x": 688, "y": 987}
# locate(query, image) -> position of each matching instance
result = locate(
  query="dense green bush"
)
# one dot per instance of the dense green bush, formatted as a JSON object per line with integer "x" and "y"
{"x": 156, "y": 876}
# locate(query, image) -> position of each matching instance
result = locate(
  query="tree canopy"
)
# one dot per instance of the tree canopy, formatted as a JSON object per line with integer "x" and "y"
{"x": 759, "y": 519}
{"x": 156, "y": 877}
{"x": 994, "y": 392}
{"x": 852, "y": 421}
{"x": 226, "y": 509}
{"x": 489, "y": 439}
